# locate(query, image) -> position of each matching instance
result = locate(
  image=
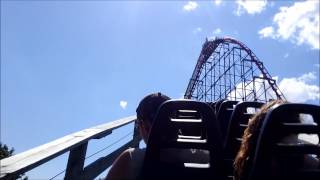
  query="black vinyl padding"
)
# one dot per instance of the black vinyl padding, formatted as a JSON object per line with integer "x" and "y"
{"x": 187, "y": 124}
{"x": 224, "y": 114}
{"x": 162, "y": 136}
{"x": 291, "y": 156}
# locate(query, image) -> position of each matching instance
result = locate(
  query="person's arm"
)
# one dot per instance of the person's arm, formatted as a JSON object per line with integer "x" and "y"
{"x": 121, "y": 167}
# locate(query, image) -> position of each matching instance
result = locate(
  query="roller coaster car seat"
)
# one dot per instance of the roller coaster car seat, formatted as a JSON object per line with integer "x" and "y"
{"x": 223, "y": 116}
{"x": 212, "y": 105}
{"x": 239, "y": 119}
{"x": 238, "y": 123}
{"x": 216, "y": 106}
{"x": 173, "y": 152}
{"x": 281, "y": 153}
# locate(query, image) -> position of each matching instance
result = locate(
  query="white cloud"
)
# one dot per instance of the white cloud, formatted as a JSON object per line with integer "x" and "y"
{"x": 298, "y": 23}
{"x": 250, "y": 6}
{"x": 217, "y": 2}
{"x": 197, "y": 30}
{"x": 295, "y": 89}
{"x": 272, "y": 3}
{"x": 181, "y": 96}
{"x": 258, "y": 86}
{"x": 308, "y": 77}
{"x": 190, "y": 6}
{"x": 286, "y": 55}
{"x": 267, "y": 32}
{"x": 216, "y": 31}
{"x": 123, "y": 104}
{"x": 298, "y": 89}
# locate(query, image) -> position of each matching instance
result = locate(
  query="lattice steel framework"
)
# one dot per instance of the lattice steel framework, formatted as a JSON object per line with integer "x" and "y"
{"x": 228, "y": 69}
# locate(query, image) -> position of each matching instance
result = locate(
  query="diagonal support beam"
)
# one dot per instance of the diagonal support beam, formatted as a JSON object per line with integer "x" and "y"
{"x": 76, "y": 162}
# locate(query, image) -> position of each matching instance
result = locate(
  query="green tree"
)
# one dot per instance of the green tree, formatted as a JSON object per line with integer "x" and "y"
{"x": 4, "y": 151}
{"x": 7, "y": 152}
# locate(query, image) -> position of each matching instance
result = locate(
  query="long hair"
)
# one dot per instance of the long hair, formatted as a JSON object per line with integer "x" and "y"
{"x": 249, "y": 139}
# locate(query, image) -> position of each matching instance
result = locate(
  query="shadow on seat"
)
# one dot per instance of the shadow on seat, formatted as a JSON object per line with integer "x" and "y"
{"x": 174, "y": 152}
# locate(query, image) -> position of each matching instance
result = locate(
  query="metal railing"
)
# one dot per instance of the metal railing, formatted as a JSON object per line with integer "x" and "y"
{"x": 76, "y": 143}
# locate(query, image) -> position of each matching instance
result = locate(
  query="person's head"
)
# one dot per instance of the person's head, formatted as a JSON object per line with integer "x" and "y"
{"x": 146, "y": 112}
{"x": 249, "y": 138}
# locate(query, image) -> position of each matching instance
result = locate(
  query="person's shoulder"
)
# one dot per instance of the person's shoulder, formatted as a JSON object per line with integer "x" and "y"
{"x": 129, "y": 154}
{"x": 137, "y": 154}
{"x": 126, "y": 155}
{"x": 311, "y": 161}
{"x": 136, "y": 150}
{"x": 129, "y": 151}
{"x": 121, "y": 166}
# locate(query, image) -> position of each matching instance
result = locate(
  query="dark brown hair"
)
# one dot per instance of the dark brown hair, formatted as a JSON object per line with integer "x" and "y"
{"x": 149, "y": 106}
{"x": 249, "y": 139}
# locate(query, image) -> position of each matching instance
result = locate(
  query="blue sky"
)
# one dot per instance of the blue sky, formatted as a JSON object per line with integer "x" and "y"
{"x": 68, "y": 65}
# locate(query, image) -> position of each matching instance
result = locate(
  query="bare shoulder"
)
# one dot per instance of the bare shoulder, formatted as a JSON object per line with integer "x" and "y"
{"x": 125, "y": 156}
{"x": 121, "y": 166}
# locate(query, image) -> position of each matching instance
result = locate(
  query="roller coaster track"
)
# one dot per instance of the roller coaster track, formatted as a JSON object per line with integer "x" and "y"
{"x": 209, "y": 48}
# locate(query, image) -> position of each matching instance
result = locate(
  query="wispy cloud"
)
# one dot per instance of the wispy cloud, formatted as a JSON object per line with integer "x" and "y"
{"x": 123, "y": 104}
{"x": 216, "y": 31}
{"x": 298, "y": 23}
{"x": 190, "y": 6}
{"x": 317, "y": 65}
{"x": 217, "y": 2}
{"x": 250, "y": 6}
{"x": 181, "y": 96}
{"x": 197, "y": 30}
{"x": 295, "y": 89}
{"x": 286, "y": 55}
{"x": 308, "y": 77}
{"x": 258, "y": 85}
{"x": 298, "y": 89}
{"x": 267, "y": 32}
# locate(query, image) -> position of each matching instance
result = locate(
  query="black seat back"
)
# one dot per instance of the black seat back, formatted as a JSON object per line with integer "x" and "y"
{"x": 237, "y": 124}
{"x": 212, "y": 105}
{"x": 168, "y": 140}
{"x": 277, "y": 158}
{"x": 224, "y": 113}
{"x": 216, "y": 105}
{"x": 239, "y": 119}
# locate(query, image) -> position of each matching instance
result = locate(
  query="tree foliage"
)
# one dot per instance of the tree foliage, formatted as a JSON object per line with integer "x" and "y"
{"x": 5, "y": 152}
